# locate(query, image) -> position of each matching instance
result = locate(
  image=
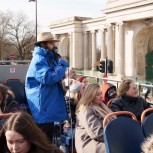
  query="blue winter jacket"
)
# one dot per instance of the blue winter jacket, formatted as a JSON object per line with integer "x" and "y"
{"x": 43, "y": 87}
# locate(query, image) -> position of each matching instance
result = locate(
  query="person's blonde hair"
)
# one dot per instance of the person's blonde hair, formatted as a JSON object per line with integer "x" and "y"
{"x": 77, "y": 97}
{"x": 124, "y": 86}
{"x": 87, "y": 96}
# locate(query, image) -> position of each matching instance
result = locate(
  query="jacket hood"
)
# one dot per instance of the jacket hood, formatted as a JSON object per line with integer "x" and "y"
{"x": 46, "y": 53}
{"x": 41, "y": 51}
{"x": 105, "y": 88}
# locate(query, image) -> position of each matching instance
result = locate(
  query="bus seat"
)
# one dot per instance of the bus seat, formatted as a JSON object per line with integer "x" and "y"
{"x": 147, "y": 122}
{"x": 17, "y": 86}
{"x": 123, "y": 134}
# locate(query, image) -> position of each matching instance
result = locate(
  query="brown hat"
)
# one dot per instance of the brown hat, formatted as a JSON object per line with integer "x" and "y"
{"x": 45, "y": 36}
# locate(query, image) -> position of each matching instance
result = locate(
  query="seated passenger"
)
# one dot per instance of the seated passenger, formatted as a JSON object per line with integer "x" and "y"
{"x": 72, "y": 97}
{"x": 70, "y": 75}
{"x": 20, "y": 134}
{"x": 108, "y": 92}
{"x": 7, "y": 102}
{"x": 83, "y": 79}
{"x": 90, "y": 113}
{"x": 128, "y": 99}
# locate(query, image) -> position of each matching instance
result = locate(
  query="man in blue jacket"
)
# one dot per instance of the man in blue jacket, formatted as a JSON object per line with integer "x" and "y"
{"x": 44, "y": 90}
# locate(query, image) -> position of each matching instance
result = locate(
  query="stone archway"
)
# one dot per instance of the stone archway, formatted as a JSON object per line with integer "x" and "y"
{"x": 150, "y": 44}
{"x": 65, "y": 46}
{"x": 143, "y": 45}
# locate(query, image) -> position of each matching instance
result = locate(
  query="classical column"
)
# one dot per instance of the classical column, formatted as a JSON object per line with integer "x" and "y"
{"x": 70, "y": 34}
{"x": 78, "y": 49}
{"x": 94, "y": 54}
{"x": 110, "y": 42}
{"x": 103, "y": 46}
{"x": 121, "y": 50}
{"x": 86, "y": 50}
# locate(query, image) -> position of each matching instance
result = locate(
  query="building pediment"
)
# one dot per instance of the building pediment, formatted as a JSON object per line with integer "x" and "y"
{"x": 121, "y": 10}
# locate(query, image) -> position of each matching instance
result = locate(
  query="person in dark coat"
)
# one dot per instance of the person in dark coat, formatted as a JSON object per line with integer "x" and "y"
{"x": 108, "y": 92}
{"x": 7, "y": 102}
{"x": 129, "y": 100}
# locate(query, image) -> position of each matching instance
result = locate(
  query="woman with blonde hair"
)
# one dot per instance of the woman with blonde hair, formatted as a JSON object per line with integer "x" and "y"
{"x": 90, "y": 113}
{"x": 20, "y": 134}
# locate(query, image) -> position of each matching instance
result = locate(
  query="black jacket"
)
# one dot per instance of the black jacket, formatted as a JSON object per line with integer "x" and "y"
{"x": 136, "y": 105}
{"x": 10, "y": 105}
{"x": 7, "y": 106}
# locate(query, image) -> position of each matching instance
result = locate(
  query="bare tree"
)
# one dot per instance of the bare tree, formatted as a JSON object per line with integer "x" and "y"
{"x": 4, "y": 21}
{"x": 21, "y": 33}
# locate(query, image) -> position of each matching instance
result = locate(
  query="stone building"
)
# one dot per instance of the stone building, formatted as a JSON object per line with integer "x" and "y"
{"x": 126, "y": 31}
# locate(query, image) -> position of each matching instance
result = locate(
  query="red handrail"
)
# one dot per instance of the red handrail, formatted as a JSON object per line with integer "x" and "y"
{"x": 9, "y": 79}
{"x": 144, "y": 113}
{"x": 107, "y": 117}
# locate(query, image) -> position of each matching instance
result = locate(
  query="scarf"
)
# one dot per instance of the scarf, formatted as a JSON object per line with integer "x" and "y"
{"x": 103, "y": 110}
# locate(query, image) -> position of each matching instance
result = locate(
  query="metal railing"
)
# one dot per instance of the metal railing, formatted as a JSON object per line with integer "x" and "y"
{"x": 14, "y": 62}
{"x": 10, "y": 65}
{"x": 140, "y": 86}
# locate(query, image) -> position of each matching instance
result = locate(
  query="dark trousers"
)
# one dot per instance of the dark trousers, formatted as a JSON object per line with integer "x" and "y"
{"x": 48, "y": 129}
